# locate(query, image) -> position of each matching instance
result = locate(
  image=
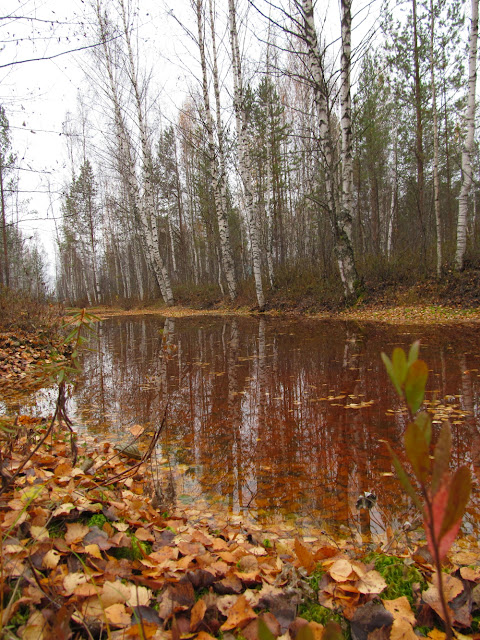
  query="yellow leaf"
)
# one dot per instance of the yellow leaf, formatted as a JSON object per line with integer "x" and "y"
{"x": 372, "y": 582}
{"x": 51, "y": 559}
{"x": 94, "y": 551}
{"x": 341, "y": 570}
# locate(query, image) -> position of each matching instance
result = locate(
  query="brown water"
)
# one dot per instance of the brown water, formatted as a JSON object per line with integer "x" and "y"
{"x": 279, "y": 417}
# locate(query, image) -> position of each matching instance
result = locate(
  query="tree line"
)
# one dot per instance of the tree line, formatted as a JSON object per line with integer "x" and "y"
{"x": 300, "y": 157}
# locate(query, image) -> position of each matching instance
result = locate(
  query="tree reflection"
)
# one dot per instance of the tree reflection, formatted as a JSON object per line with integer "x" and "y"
{"x": 273, "y": 415}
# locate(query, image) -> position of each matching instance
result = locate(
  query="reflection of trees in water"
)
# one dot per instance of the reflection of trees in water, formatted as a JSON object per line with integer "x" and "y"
{"x": 257, "y": 406}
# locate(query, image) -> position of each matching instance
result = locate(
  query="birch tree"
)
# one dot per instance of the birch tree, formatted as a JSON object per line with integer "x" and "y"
{"x": 468, "y": 146}
{"x": 243, "y": 156}
{"x": 217, "y": 171}
{"x": 338, "y": 211}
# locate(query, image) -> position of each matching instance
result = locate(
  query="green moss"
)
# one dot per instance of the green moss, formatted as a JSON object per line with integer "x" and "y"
{"x": 314, "y": 612}
{"x": 422, "y": 631}
{"x": 137, "y": 551}
{"x": 20, "y": 617}
{"x": 267, "y": 543}
{"x": 56, "y": 528}
{"x": 316, "y": 577}
{"x": 398, "y": 576}
{"x": 97, "y": 520}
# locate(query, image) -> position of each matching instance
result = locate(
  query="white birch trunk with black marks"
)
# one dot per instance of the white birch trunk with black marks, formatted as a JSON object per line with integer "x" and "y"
{"x": 147, "y": 208}
{"x": 436, "y": 178}
{"x": 340, "y": 216}
{"x": 468, "y": 147}
{"x": 243, "y": 156}
{"x": 217, "y": 173}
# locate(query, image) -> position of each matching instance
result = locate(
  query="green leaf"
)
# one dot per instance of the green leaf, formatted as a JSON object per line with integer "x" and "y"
{"x": 404, "y": 479}
{"x": 425, "y": 423}
{"x": 458, "y": 497}
{"x": 391, "y": 372}
{"x": 264, "y": 632}
{"x": 399, "y": 362}
{"x": 441, "y": 456}
{"x": 417, "y": 449}
{"x": 415, "y": 384}
{"x": 413, "y": 353}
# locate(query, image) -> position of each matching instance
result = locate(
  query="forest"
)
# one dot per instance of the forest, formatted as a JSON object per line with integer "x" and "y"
{"x": 300, "y": 166}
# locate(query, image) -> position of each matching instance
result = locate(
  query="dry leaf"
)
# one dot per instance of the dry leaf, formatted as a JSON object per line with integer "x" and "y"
{"x": 198, "y": 612}
{"x": 372, "y": 582}
{"x": 51, "y": 559}
{"x": 117, "y": 615}
{"x": 341, "y": 570}
{"x": 436, "y": 634}
{"x": 93, "y": 550}
{"x": 136, "y": 430}
{"x": 72, "y": 580}
{"x": 76, "y": 532}
{"x": 305, "y": 556}
{"x": 239, "y": 615}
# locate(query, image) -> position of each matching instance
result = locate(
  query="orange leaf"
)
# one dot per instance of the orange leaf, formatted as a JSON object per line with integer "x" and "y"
{"x": 305, "y": 556}
{"x": 239, "y": 615}
{"x": 198, "y": 612}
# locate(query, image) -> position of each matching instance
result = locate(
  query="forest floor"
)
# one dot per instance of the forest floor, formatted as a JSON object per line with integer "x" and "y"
{"x": 454, "y": 298}
{"x": 89, "y": 549}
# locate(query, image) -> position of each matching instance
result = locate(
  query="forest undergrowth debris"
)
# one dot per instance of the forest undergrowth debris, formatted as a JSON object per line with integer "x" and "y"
{"x": 83, "y": 555}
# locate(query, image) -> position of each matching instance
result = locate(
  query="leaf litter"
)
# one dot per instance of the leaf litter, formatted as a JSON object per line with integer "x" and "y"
{"x": 86, "y": 554}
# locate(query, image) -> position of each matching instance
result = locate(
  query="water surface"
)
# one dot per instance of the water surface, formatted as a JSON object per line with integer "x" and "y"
{"x": 277, "y": 417}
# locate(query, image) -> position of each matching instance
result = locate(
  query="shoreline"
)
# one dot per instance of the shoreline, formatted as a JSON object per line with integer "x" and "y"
{"x": 401, "y": 314}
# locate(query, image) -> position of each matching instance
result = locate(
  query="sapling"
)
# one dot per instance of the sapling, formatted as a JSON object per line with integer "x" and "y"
{"x": 441, "y": 495}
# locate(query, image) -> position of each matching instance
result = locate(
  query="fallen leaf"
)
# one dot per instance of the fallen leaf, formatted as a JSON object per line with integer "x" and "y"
{"x": 93, "y": 550}
{"x": 340, "y": 570}
{"x": 197, "y": 614}
{"x": 117, "y": 615}
{"x": 76, "y": 532}
{"x": 305, "y": 556}
{"x": 51, "y": 559}
{"x": 372, "y": 582}
{"x": 239, "y": 615}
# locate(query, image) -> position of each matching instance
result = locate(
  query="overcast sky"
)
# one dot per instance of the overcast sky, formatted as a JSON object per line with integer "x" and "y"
{"x": 38, "y": 94}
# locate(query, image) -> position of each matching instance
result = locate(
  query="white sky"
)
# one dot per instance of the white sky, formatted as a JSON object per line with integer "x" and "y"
{"x": 37, "y": 95}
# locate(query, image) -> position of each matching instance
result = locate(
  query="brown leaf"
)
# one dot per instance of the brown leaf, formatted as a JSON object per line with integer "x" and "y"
{"x": 136, "y": 430}
{"x": 76, "y": 532}
{"x": 197, "y": 614}
{"x": 305, "y": 556}
{"x": 239, "y": 615}
{"x": 93, "y": 550}
{"x": 117, "y": 615}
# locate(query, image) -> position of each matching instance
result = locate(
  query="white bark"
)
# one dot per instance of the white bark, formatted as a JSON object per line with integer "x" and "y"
{"x": 338, "y": 214}
{"x": 436, "y": 178}
{"x": 468, "y": 146}
{"x": 243, "y": 156}
{"x": 147, "y": 209}
{"x": 217, "y": 172}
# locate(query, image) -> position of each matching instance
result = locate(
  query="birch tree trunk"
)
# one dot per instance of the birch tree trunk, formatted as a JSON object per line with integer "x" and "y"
{"x": 346, "y": 210}
{"x": 341, "y": 220}
{"x": 147, "y": 209}
{"x": 436, "y": 179}
{"x": 217, "y": 172}
{"x": 243, "y": 156}
{"x": 467, "y": 152}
